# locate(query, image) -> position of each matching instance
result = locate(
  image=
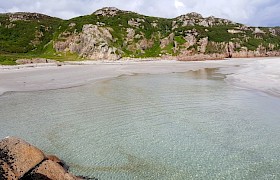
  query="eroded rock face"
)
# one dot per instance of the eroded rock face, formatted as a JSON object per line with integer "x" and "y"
{"x": 19, "y": 155}
{"x": 130, "y": 34}
{"x": 166, "y": 41}
{"x": 208, "y": 50}
{"x": 191, "y": 40}
{"x": 203, "y": 44}
{"x": 92, "y": 43}
{"x": 145, "y": 44}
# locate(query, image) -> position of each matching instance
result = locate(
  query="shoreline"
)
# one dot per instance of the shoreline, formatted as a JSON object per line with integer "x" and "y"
{"x": 124, "y": 60}
{"x": 49, "y": 76}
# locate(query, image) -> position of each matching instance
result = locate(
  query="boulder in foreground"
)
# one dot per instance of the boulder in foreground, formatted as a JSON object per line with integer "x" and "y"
{"x": 19, "y": 155}
{"x": 21, "y": 160}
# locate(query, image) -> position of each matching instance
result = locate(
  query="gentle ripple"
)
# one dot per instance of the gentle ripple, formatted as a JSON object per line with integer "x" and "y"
{"x": 174, "y": 126}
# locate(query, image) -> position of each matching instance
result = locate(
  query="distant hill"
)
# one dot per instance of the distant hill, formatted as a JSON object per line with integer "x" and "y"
{"x": 110, "y": 33}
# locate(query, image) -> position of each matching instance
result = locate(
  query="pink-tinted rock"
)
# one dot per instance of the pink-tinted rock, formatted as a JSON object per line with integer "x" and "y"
{"x": 19, "y": 155}
{"x": 58, "y": 161}
{"x": 50, "y": 170}
{"x": 54, "y": 158}
{"x": 6, "y": 172}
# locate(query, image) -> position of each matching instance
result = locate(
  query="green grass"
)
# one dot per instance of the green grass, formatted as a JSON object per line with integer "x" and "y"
{"x": 154, "y": 51}
{"x": 19, "y": 37}
{"x": 219, "y": 34}
{"x": 169, "y": 49}
{"x": 180, "y": 40}
{"x": 10, "y": 59}
{"x": 6, "y": 60}
{"x": 214, "y": 48}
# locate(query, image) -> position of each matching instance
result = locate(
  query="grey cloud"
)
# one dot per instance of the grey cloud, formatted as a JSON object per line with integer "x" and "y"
{"x": 253, "y": 12}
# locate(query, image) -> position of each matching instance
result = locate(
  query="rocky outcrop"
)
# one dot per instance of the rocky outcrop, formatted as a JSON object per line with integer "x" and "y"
{"x": 21, "y": 160}
{"x": 109, "y": 11}
{"x": 203, "y": 42}
{"x": 166, "y": 41}
{"x": 234, "y": 31}
{"x": 130, "y": 34}
{"x": 192, "y": 19}
{"x": 145, "y": 44}
{"x": 92, "y": 43}
{"x": 215, "y": 51}
{"x": 190, "y": 40}
{"x": 26, "y": 16}
{"x": 258, "y": 31}
{"x": 136, "y": 22}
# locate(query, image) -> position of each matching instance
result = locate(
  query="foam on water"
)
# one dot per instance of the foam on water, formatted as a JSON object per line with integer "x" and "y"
{"x": 173, "y": 126}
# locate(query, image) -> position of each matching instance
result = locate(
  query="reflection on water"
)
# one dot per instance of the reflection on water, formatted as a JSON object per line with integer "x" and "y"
{"x": 207, "y": 73}
{"x": 174, "y": 126}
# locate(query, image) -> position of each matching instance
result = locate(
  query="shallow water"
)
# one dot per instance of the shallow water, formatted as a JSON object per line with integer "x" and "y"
{"x": 174, "y": 126}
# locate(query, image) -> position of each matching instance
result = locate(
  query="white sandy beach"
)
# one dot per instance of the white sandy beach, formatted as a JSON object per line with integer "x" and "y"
{"x": 255, "y": 73}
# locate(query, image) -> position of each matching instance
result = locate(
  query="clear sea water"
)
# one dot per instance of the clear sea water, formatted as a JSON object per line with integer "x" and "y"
{"x": 159, "y": 127}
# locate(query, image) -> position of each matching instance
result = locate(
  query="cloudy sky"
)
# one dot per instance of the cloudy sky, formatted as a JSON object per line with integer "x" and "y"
{"x": 250, "y": 12}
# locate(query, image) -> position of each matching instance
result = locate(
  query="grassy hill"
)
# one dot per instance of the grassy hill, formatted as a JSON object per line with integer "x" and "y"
{"x": 110, "y": 33}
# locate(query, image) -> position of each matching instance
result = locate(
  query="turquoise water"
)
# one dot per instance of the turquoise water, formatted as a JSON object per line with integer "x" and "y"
{"x": 169, "y": 127}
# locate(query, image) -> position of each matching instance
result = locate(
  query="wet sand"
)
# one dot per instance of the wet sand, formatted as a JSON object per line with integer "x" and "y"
{"x": 50, "y": 76}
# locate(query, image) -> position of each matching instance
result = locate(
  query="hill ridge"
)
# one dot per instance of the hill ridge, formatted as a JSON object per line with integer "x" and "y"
{"x": 111, "y": 33}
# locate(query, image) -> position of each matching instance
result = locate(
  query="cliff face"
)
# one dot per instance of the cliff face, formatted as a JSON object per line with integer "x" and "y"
{"x": 110, "y": 33}
{"x": 92, "y": 42}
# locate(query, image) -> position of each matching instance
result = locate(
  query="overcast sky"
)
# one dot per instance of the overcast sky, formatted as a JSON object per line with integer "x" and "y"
{"x": 250, "y": 12}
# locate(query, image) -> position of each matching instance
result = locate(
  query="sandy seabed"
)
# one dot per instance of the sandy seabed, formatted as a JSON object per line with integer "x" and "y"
{"x": 254, "y": 73}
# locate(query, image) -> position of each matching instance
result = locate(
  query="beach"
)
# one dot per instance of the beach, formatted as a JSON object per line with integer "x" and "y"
{"x": 247, "y": 73}
{"x": 141, "y": 120}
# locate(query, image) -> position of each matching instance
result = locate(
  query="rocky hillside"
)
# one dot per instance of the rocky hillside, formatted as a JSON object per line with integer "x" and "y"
{"x": 110, "y": 33}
